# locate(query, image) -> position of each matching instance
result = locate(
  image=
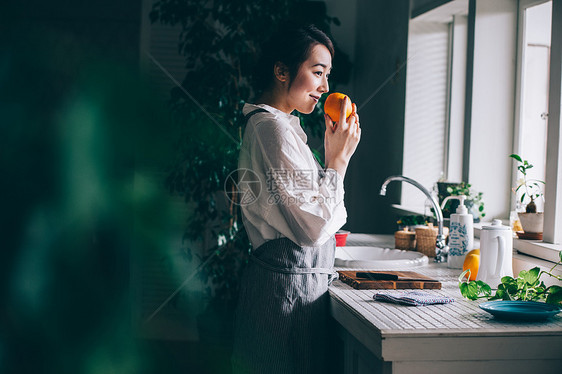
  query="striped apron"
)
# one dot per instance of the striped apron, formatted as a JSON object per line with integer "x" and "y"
{"x": 283, "y": 308}
{"x": 282, "y": 313}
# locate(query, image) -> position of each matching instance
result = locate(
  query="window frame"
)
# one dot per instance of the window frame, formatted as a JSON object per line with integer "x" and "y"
{"x": 552, "y": 231}
{"x": 553, "y": 209}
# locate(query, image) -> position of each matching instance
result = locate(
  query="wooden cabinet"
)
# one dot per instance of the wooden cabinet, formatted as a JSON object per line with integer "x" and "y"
{"x": 354, "y": 357}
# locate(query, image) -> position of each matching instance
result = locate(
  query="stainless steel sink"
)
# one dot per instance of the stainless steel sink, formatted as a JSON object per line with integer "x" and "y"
{"x": 377, "y": 258}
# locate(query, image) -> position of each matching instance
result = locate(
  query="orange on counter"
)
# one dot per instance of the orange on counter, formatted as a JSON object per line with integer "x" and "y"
{"x": 472, "y": 262}
{"x": 332, "y": 106}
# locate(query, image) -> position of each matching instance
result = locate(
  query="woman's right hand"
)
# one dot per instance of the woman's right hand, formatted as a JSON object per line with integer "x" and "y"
{"x": 341, "y": 139}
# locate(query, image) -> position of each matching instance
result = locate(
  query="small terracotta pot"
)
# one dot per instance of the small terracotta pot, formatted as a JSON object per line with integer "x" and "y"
{"x": 531, "y": 222}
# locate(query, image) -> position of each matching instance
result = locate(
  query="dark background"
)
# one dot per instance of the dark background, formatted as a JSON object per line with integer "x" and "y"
{"x": 76, "y": 120}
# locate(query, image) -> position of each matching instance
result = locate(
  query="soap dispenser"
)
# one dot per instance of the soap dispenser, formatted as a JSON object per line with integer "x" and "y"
{"x": 461, "y": 233}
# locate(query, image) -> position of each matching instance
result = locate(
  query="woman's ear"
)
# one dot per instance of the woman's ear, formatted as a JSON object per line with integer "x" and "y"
{"x": 281, "y": 72}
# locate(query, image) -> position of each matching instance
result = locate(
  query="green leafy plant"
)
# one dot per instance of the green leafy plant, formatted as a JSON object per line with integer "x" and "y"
{"x": 527, "y": 287}
{"x": 474, "y": 199}
{"x": 533, "y": 189}
{"x": 412, "y": 220}
{"x": 473, "y": 202}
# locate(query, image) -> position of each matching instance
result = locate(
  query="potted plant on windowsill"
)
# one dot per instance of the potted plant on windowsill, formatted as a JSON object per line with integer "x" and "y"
{"x": 410, "y": 222}
{"x": 531, "y": 220}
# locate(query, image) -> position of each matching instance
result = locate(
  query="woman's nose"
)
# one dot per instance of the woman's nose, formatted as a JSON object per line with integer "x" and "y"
{"x": 325, "y": 86}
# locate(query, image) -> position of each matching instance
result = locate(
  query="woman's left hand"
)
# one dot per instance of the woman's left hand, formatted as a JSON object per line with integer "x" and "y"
{"x": 341, "y": 139}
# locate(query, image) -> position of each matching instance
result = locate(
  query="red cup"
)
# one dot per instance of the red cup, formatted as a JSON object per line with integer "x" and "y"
{"x": 341, "y": 238}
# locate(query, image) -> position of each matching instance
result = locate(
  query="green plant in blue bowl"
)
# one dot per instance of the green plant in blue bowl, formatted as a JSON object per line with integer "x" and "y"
{"x": 528, "y": 286}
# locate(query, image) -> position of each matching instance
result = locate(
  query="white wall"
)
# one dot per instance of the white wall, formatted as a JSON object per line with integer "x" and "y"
{"x": 493, "y": 103}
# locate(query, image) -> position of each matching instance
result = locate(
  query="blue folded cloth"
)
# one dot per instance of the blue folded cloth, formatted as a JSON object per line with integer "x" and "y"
{"x": 414, "y": 298}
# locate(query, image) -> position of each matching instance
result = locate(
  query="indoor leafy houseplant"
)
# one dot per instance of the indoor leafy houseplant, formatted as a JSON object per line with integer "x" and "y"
{"x": 526, "y": 287}
{"x": 411, "y": 221}
{"x": 221, "y": 41}
{"x": 473, "y": 202}
{"x": 531, "y": 220}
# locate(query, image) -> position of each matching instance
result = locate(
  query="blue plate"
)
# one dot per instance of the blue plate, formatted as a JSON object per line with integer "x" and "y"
{"x": 520, "y": 310}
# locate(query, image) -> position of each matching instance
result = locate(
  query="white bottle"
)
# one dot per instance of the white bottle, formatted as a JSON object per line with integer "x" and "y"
{"x": 461, "y": 233}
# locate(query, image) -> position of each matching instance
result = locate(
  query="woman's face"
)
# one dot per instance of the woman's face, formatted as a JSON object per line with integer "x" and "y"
{"x": 311, "y": 80}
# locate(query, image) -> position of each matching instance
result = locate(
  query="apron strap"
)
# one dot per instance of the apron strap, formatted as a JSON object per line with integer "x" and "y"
{"x": 259, "y": 110}
{"x": 332, "y": 275}
{"x": 294, "y": 270}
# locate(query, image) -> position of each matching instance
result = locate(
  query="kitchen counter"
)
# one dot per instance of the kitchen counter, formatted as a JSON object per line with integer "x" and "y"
{"x": 458, "y": 337}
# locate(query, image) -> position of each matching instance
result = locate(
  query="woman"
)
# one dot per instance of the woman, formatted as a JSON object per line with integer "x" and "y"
{"x": 295, "y": 211}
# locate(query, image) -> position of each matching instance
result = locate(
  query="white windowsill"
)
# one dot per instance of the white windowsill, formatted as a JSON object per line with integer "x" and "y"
{"x": 527, "y": 248}
{"x": 535, "y": 248}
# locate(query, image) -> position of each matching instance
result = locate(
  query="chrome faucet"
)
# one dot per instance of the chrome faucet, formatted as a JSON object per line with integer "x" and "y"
{"x": 441, "y": 249}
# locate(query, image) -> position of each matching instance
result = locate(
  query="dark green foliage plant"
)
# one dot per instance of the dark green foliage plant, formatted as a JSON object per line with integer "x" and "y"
{"x": 220, "y": 41}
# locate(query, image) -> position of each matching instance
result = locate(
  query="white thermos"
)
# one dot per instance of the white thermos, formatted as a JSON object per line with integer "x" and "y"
{"x": 496, "y": 247}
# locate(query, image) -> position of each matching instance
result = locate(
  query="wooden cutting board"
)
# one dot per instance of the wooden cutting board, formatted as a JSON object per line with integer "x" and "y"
{"x": 406, "y": 280}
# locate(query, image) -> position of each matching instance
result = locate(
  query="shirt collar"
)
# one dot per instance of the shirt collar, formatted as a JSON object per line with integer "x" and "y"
{"x": 294, "y": 121}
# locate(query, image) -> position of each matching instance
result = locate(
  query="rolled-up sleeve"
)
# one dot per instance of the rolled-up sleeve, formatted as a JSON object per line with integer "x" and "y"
{"x": 311, "y": 201}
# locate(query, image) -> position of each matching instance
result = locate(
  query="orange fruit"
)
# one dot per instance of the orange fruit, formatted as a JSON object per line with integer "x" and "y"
{"x": 332, "y": 106}
{"x": 472, "y": 262}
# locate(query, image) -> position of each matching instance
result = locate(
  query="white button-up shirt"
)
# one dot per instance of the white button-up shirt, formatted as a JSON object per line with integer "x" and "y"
{"x": 283, "y": 192}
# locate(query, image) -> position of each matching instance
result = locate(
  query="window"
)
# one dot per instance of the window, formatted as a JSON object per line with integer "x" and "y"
{"x": 492, "y": 38}
{"x": 435, "y": 85}
{"x": 537, "y": 127}
{"x": 530, "y": 134}
{"x": 426, "y": 106}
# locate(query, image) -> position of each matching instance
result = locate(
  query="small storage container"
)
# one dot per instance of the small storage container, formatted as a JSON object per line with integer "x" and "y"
{"x": 426, "y": 237}
{"x": 405, "y": 240}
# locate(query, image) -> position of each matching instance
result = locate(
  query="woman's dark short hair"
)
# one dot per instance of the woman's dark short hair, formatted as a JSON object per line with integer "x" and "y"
{"x": 290, "y": 45}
